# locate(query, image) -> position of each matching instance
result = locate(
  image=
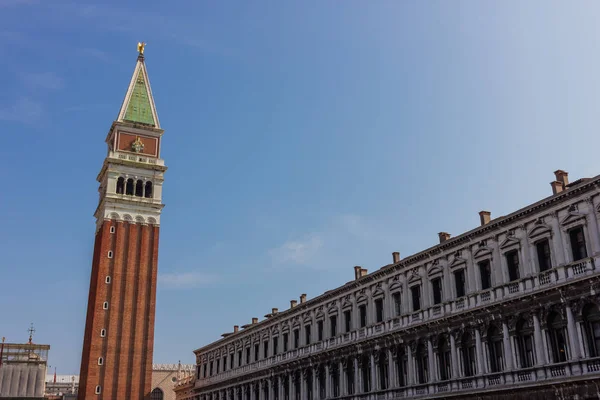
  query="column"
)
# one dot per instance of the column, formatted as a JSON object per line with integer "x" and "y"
{"x": 496, "y": 264}
{"x": 303, "y": 391}
{"x": 357, "y": 387}
{"x": 527, "y": 262}
{"x": 479, "y": 350}
{"x": 342, "y": 379}
{"x": 391, "y": 368}
{"x": 470, "y": 276}
{"x": 373, "y": 372}
{"x": 430, "y": 356}
{"x": 539, "y": 345}
{"x": 453, "y": 357}
{"x": 593, "y": 227}
{"x": 327, "y": 382}
{"x": 557, "y": 240}
{"x": 507, "y": 347}
{"x": 315, "y": 381}
{"x": 410, "y": 373}
{"x": 573, "y": 338}
{"x": 292, "y": 387}
{"x": 280, "y": 387}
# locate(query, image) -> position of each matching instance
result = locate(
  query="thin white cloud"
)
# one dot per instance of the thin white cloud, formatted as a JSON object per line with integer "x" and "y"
{"x": 185, "y": 280}
{"x": 23, "y": 110}
{"x": 43, "y": 80}
{"x": 297, "y": 251}
{"x": 12, "y": 3}
{"x": 95, "y": 53}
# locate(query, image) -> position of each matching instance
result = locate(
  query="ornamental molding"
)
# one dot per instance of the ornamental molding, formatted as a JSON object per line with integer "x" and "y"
{"x": 510, "y": 241}
{"x": 457, "y": 261}
{"x": 435, "y": 270}
{"x": 572, "y": 217}
{"x": 539, "y": 229}
{"x": 482, "y": 252}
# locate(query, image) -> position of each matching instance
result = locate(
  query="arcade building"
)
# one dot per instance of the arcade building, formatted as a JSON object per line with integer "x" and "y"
{"x": 508, "y": 310}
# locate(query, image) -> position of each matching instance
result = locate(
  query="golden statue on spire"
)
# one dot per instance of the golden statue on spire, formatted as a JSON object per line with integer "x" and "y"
{"x": 141, "y": 46}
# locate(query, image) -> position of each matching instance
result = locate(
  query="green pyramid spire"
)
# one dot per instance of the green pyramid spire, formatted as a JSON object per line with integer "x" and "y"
{"x": 138, "y": 106}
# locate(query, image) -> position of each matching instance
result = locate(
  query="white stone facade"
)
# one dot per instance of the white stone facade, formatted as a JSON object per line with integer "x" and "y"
{"x": 507, "y": 307}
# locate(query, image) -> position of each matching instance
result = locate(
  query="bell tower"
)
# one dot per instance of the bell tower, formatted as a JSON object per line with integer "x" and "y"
{"x": 118, "y": 343}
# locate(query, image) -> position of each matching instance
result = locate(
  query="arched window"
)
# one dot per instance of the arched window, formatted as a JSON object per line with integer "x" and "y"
{"x": 365, "y": 365}
{"x": 444, "y": 358}
{"x": 120, "y": 185}
{"x": 148, "y": 190}
{"x": 297, "y": 384}
{"x": 422, "y": 364}
{"x": 350, "y": 377}
{"x": 591, "y": 320}
{"x": 524, "y": 342}
{"x": 382, "y": 366}
{"x": 129, "y": 188}
{"x": 494, "y": 342}
{"x": 557, "y": 337}
{"x": 322, "y": 384}
{"x": 401, "y": 366}
{"x": 467, "y": 352}
{"x": 139, "y": 188}
{"x": 157, "y": 394}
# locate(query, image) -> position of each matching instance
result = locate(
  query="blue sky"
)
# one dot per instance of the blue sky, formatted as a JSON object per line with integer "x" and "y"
{"x": 302, "y": 138}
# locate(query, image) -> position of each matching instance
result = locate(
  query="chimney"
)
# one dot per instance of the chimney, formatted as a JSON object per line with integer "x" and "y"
{"x": 254, "y": 321}
{"x": 395, "y": 257}
{"x": 444, "y": 236}
{"x": 274, "y": 311}
{"x": 363, "y": 272}
{"x": 557, "y": 187}
{"x": 562, "y": 177}
{"x": 485, "y": 217}
{"x": 357, "y": 272}
{"x": 302, "y": 298}
{"x": 293, "y": 303}
{"x": 236, "y": 328}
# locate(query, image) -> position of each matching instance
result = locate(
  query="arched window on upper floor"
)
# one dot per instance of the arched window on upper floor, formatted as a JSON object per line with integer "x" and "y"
{"x": 120, "y": 185}
{"x": 524, "y": 342}
{"x": 591, "y": 320}
{"x": 557, "y": 337}
{"x": 139, "y": 188}
{"x": 157, "y": 394}
{"x": 467, "y": 352}
{"x": 129, "y": 187}
{"x": 495, "y": 350}
{"x": 444, "y": 359}
{"x": 148, "y": 190}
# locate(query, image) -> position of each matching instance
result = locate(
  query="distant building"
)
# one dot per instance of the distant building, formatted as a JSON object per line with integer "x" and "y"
{"x": 164, "y": 378}
{"x": 507, "y": 310}
{"x": 62, "y": 386}
{"x": 22, "y": 370}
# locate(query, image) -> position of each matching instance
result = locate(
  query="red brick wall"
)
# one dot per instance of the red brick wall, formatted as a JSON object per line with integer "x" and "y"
{"x": 129, "y": 320}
